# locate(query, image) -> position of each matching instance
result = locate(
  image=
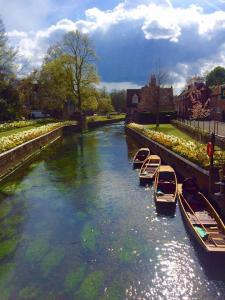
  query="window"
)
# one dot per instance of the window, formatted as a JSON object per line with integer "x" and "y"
{"x": 134, "y": 99}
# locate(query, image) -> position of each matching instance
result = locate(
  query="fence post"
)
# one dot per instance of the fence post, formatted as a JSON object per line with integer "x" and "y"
{"x": 211, "y": 168}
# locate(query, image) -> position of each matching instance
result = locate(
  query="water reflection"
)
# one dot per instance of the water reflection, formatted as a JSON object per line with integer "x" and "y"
{"x": 75, "y": 224}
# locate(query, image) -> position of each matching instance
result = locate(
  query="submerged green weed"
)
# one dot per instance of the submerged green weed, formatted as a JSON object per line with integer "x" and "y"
{"x": 6, "y": 274}
{"x": 74, "y": 278}
{"x": 29, "y": 293}
{"x": 50, "y": 261}
{"x": 5, "y": 209}
{"x": 90, "y": 287}
{"x": 89, "y": 237}
{"x": 14, "y": 220}
{"x": 37, "y": 249}
{"x": 7, "y": 247}
{"x": 7, "y": 232}
{"x": 128, "y": 249}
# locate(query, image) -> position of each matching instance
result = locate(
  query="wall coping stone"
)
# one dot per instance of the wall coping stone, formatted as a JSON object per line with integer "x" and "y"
{"x": 193, "y": 165}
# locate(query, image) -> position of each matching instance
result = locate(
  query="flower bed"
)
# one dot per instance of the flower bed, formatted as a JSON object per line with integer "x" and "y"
{"x": 21, "y": 124}
{"x": 192, "y": 151}
{"x": 13, "y": 140}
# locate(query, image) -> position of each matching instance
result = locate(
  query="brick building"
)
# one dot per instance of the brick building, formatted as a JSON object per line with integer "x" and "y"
{"x": 218, "y": 102}
{"x": 143, "y": 102}
{"x": 212, "y": 100}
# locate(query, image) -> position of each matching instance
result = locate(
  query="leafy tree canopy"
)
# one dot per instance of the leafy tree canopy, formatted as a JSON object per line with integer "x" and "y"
{"x": 118, "y": 98}
{"x": 216, "y": 76}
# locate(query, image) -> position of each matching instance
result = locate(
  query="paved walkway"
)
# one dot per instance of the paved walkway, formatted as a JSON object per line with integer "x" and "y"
{"x": 210, "y": 126}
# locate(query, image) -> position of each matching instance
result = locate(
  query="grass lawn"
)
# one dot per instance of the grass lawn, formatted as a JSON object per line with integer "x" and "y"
{"x": 170, "y": 129}
{"x": 17, "y": 130}
{"x": 104, "y": 118}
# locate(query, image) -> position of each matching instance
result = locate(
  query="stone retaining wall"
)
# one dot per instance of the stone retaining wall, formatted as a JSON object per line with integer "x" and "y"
{"x": 183, "y": 166}
{"x": 14, "y": 158}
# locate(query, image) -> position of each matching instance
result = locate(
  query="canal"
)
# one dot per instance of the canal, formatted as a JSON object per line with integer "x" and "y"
{"x": 75, "y": 224}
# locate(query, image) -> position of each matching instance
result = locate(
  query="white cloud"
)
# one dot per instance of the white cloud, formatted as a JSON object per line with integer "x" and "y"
{"x": 16, "y": 34}
{"x": 156, "y": 20}
{"x": 118, "y": 85}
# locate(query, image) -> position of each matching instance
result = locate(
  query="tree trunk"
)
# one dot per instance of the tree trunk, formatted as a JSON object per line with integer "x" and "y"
{"x": 82, "y": 120}
{"x": 157, "y": 107}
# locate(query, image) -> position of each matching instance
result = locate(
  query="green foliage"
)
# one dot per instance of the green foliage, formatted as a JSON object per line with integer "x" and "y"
{"x": 76, "y": 55}
{"x": 216, "y": 76}
{"x": 55, "y": 88}
{"x": 9, "y": 98}
{"x": 89, "y": 100}
{"x": 90, "y": 287}
{"x": 105, "y": 105}
{"x": 118, "y": 98}
{"x": 74, "y": 278}
{"x": 7, "y": 54}
{"x": 29, "y": 93}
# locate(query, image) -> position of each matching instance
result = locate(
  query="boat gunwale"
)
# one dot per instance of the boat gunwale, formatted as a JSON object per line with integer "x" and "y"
{"x": 208, "y": 248}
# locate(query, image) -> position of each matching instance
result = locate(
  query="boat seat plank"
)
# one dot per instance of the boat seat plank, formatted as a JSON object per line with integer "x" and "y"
{"x": 204, "y": 222}
{"x": 166, "y": 197}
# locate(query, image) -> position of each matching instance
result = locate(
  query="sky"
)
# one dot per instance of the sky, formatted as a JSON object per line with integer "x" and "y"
{"x": 131, "y": 37}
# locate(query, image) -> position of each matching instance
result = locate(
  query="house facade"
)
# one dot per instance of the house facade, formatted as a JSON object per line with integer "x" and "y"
{"x": 211, "y": 100}
{"x": 141, "y": 102}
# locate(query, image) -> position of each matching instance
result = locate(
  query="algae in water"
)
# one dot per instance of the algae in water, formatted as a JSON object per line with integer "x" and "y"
{"x": 50, "y": 261}
{"x": 7, "y": 247}
{"x": 29, "y": 293}
{"x": 5, "y": 209}
{"x": 37, "y": 249}
{"x": 74, "y": 278}
{"x": 89, "y": 237}
{"x": 90, "y": 287}
{"x": 6, "y": 274}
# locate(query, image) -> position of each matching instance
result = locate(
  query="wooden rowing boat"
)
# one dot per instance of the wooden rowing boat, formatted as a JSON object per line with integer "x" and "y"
{"x": 203, "y": 222}
{"x": 149, "y": 168}
{"x": 140, "y": 157}
{"x": 165, "y": 185}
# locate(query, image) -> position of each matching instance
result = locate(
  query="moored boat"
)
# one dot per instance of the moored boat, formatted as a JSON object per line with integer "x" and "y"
{"x": 140, "y": 157}
{"x": 165, "y": 185}
{"x": 149, "y": 168}
{"x": 203, "y": 221}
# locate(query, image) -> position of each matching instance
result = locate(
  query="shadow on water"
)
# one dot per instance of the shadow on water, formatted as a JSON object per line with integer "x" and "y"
{"x": 166, "y": 210}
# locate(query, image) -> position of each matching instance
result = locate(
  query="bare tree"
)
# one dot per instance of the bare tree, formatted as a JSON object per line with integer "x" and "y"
{"x": 162, "y": 78}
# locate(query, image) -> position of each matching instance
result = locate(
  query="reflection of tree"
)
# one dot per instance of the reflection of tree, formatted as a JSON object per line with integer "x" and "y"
{"x": 132, "y": 147}
{"x": 70, "y": 160}
{"x": 74, "y": 165}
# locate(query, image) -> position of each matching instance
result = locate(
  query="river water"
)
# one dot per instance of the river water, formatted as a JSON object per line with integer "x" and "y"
{"x": 75, "y": 224}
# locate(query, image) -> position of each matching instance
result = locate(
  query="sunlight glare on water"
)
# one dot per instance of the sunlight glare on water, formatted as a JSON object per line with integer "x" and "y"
{"x": 75, "y": 224}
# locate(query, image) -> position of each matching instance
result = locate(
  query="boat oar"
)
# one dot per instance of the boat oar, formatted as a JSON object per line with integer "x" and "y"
{"x": 198, "y": 220}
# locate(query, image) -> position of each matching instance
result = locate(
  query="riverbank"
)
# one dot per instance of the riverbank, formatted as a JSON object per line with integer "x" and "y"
{"x": 17, "y": 149}
{"x": 96, "y": 121}
{"x": 183, "y": 166}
